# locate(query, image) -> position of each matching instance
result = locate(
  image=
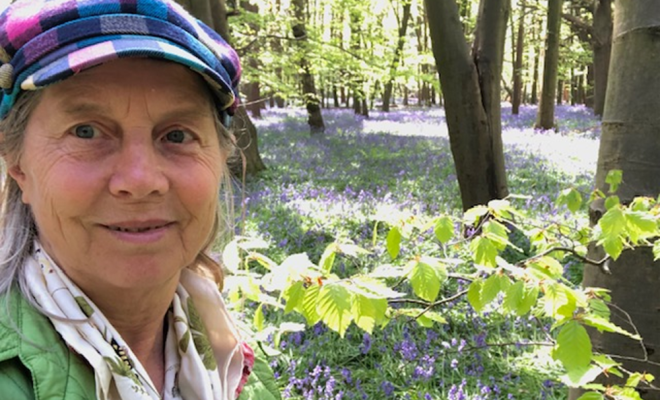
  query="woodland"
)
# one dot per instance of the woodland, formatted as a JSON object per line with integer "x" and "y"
{"x": 446, "y": 199}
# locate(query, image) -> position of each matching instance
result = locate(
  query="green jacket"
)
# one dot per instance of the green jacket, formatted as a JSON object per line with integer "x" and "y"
{"x": 37, "y": 365}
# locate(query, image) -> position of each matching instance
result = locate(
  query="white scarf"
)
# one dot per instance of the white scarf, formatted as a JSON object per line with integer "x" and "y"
{"x": 204, "y": 357}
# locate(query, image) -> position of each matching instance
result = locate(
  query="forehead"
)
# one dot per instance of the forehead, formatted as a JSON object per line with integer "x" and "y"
{"x": 159, "y": 81}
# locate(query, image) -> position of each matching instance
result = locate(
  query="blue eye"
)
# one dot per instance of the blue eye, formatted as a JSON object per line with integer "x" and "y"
{"x": 176, "y": 136}
{"x": 85, "y": 131}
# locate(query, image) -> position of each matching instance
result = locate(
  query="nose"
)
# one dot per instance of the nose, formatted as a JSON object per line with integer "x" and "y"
{"x": 138, "y": 171}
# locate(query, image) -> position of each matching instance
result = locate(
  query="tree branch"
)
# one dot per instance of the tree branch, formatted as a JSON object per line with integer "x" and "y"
{"x": 583, "y": 29}
{"x": 603, "y": 264}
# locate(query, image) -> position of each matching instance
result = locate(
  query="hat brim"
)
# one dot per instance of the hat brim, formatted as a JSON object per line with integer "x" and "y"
{"x": 101, "y": 52}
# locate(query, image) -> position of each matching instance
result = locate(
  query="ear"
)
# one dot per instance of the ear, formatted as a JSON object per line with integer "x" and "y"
{"x": 16, "y": 172}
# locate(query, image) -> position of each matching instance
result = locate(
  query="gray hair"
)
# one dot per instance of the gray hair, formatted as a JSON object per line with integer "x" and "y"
{"x": 17, "y": 226}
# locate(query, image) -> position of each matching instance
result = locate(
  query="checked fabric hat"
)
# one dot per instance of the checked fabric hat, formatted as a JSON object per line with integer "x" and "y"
{"x": 45, "y": 41}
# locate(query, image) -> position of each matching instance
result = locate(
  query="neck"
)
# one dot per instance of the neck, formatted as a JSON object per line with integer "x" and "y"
{"x": 139, "y": 317}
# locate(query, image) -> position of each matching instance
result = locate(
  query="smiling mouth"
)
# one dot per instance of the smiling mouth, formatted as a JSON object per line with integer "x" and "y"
{"x": 134, "y": 230}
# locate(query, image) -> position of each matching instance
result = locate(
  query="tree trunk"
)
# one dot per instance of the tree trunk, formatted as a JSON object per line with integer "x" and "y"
{"x": 560, "y": 91}
{"x": 355, "y": 23}
{"x": 629, "y": 142}
{"x": 214, "y": 14}
{"x": 535, "y": 75}
{"x": 518, "y": 65}
{"x": 311, "y": 99}
{"x": 471, "y": 89}
{"x": 546, "y": 113}
{"x": 602, "y": 47}
{"x": 254, "y": 102}
{"x": 398, "y": 52}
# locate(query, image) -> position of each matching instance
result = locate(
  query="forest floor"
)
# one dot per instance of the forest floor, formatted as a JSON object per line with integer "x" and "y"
{"x": 319, "y": 189}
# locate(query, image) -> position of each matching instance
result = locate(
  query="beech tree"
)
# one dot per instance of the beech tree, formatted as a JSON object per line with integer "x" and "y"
{"x": 546, "y": 112}
{"x": 396, "y": 60}
{"x": 214, "y": 14}
{"x": 470, "y": 82}
{"x": 310, "y": 97}
{"x": 629, "y": 143}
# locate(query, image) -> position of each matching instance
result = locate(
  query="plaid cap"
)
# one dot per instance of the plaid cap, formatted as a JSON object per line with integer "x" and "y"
{"x": 46, "y": 41}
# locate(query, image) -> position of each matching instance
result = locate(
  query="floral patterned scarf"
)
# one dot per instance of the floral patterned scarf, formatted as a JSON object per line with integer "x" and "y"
{"x": 204, "y": 356}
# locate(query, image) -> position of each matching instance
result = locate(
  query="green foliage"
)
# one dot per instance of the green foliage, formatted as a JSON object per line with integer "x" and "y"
{"x": 421, "y": 279}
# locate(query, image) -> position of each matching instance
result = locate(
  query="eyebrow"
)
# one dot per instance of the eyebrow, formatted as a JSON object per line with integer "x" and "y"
{"x": 184, "y": 107}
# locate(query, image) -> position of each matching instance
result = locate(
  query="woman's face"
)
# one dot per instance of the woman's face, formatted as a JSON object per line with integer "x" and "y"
{"x": 121, "y": 167}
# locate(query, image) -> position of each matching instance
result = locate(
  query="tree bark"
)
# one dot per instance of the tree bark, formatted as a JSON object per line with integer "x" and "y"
{"x": 357, "y": 82}
{"x": 629, "y": 142}
{"x": 398, "y": 52}
{"x": 310, "y": 97}
{"x": 546, "y": 113}
{"x": 602, "y": 47}
{"x": 518, "y": 65}
{"x": 214, "y": 14}
{"x": 471, "y": 89}
{"x": 254, "y": 102}
{"x": 535, "y": 76}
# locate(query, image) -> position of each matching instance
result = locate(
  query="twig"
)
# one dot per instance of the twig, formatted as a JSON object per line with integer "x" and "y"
{"x": 427, "y": 304}
{"x": 440, "y": 302}
{"x": 505, "y": 344}
{"x": 603, "y": 263}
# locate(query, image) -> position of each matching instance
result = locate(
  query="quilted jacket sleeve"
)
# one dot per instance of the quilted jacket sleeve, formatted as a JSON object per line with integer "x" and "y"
{"x": 15, "y": 381}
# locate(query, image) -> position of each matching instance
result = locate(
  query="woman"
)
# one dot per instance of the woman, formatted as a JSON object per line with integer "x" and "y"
{"x": 113, "y": 119}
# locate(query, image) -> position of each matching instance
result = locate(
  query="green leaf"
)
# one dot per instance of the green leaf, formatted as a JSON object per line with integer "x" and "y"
{"x": 394, "y": 242}
{"x": 230, "y": 257}
{"x": 309, "y": 305}
{"x": 613, "y": 222}
{"x": 641, "y": 204}
{"x": 640, "y": 225}
{"x": 599, "y": 308}
{"x": 571, "y": 198}
{"x": 580, "y": 377}
{"x": 604, "y": 325}
{"x": 529, "y": 300}
{"x": 591, "y": 396}
{"x": 474, "y": 214}
{"x": 259, "y": 318}
{"x": 497, "y": 233}
{"x": 444, "y": 229}
{"x": 613, "y": 246}
{"x": 547, "y": 266}
{"x": 367, "y": 312}
{"x": 334, "y": 307}
{"x": 261, "y": 384}
{"x": 437, "y": 265}
{"x": 484, "y": 252}
{"x": 294, "y": 295}
{"x": 425, "y": 281}
{"x": 656, "y": 250}
{"x": 373, "y": 288}
{"x": 612, "y": 201}
{"x": 514, "y": 296}
{"x": 614, "y": 179}
{"x": 350, "y": 249}
{"x": 429, "y": 318}
{"x": 491, "y": 288}
{"x": 328, "y": 258}
{"x": 474, "y": 295}
{"x": 500, "y": 208}
{"x": 559, "y": 301}
{"x": 573, "y": 347}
